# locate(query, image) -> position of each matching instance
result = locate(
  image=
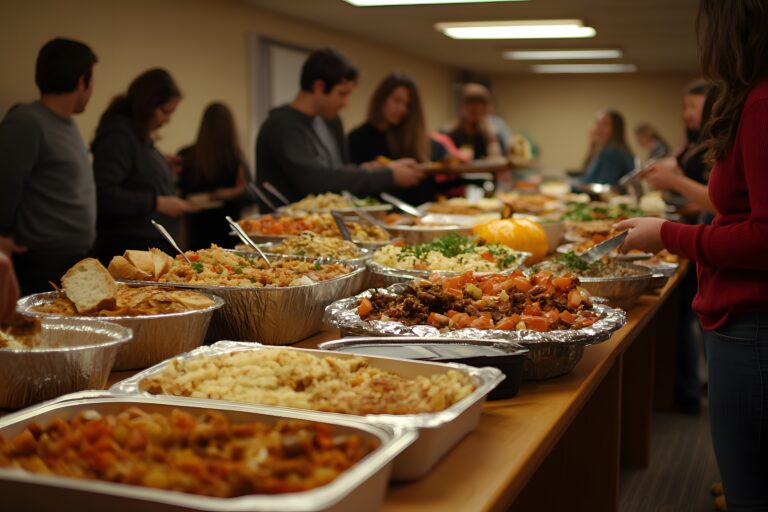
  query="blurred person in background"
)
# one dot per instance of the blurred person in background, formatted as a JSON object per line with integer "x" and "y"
{"x": 9, "y": 287}
{"x": 610, "y": 155}
{"x": 301, "y": 148}
{"x": 395, "y": 129}
{"x": 650, "y": 140}
{"x": 134, "y": 181}
{"x": 47, "y": 193}
{"x": 474, "y": 131}
{"x": 730, "y": 253}
{"x": 213, "y": 170}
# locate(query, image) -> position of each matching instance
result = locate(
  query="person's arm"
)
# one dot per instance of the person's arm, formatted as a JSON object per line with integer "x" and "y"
{"x": 9, "y": 287}
{"x": 665, "y": 174}
{"x": 19, "y": 146}
{"x": 738, "y": 245}
{"x": 113, "y": 163}
{"x": 229, "y": 193}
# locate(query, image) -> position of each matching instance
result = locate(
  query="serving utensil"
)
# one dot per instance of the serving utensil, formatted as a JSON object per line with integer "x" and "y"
{"x": 636, "y": 172}
{"x": 402, "y": 205}
{"x": 272, "y": 190}
{"x": 169, "y": 239}
{"x": 261, "y": 195}
{"x": 242, "y": 235}
{"x": 338, "y": 217}
{"x": 603, "y": 248}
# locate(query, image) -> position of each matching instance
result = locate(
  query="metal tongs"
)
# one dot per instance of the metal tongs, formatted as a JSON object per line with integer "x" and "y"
{"x": 603, "y": 248}
{"x": 169, "y": 239}
{"x": 242, "y": 235}
{"x": 402, "y": 205}
{"x": 338, "y": 217}
{"x": 636, "y": 172}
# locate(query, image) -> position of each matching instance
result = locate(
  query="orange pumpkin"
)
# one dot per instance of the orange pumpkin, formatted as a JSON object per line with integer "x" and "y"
{"x": 519, "y": 234}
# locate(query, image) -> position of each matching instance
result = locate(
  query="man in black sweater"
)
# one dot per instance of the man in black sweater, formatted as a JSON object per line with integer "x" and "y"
{"x": 301, "y": 148}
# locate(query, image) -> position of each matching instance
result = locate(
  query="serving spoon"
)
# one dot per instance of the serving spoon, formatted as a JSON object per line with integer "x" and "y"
{"x": 242, "y": 235}
{"x": 603, "y": 248}
{"x": 169, "y": 239}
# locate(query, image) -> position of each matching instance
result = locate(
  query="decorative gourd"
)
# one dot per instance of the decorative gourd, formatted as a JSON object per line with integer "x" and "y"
{"x": 519, "y": 234}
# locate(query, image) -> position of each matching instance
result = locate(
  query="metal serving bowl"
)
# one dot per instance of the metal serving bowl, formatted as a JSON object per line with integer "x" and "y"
{"x": 415, "y": 235}
{"x": 383, "y": 276}
{"x": 155, "y": 337}
{"x": 621, "y": 292}
{"x": 83, "y": 356}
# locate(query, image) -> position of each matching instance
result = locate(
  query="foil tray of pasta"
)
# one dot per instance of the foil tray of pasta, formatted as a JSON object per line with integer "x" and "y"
{"x": 128, "y": 453}
{"x": 275, "y": 228}
{"x": 443, "y": 401}
{"x": 339, "y": 202}
{"x": 277, "y": 305}
{"x": 553, "y": 316}
{"x": 446, "y": 256}
{"x": 311, "y": 245}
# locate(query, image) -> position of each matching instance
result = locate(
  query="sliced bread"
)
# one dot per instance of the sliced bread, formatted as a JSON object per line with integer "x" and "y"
{"x": 89, "y": 286}
{"x": 121, "y": 268}
{"x": 142, "y": 260}
{"x": 162, "y": 262}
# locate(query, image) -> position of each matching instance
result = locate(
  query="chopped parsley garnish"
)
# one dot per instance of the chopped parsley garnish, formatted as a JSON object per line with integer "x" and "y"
{"x": 572, "y": 261}
{"x": 454, "y": 246}
{"x": 317, "y": 265}
{"x": 197, "y": 267}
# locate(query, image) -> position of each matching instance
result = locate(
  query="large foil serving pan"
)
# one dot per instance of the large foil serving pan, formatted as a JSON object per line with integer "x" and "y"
{"x": 82, "y": 359}
{"x": 362, "y": 487}
{"x": 552, "y": 353}
{"x": 621, "y": 292}
{"x": 275, "y": 315}
{"x": 383, "y": 276}
{"x": 267, "y": 249}
{"x": 374, "y": 209}
{"x": 632, "y": 256}
{"x": 155, "y": 337}
{"x": 415, "y": 235}
{"x": 662, "y": 271}
{"x": 438, "y": 432}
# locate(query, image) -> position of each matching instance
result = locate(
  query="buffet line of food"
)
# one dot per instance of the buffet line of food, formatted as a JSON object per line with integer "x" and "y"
{"x": 445, "y": 309}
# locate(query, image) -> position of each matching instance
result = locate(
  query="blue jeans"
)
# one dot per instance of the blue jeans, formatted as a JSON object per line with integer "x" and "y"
{"x": 737, "y": 357}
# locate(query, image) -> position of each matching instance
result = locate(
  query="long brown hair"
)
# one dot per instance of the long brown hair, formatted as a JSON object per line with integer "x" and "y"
{"x": 146, "y": 93}
{"x": 733, "y": 48}
{"x": 409, "y": 138}
{"x": 618, "y": 132}
{"x": 217, "y": 146}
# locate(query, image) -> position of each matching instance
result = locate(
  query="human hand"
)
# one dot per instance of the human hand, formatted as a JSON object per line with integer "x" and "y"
{"x": 175, "y": 162}
{"x": 663, "y": 174}
{"x": 9, "y": 247}
{"x": 644, "y": 234}
{"x": 9, "y": 287}
{"x": 405, "y": 173}
{"x": 173, "y": 206}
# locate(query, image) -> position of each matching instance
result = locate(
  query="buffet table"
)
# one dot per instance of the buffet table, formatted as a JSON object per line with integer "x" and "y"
{"x": 560, "y": 443}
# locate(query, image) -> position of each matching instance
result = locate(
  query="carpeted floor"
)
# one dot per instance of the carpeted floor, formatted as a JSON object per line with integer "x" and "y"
{"x": 681, "y": 471}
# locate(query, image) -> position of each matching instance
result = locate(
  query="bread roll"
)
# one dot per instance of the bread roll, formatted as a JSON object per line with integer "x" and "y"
{"x": 121, "y": 268}
{"x": 89, "y": 286}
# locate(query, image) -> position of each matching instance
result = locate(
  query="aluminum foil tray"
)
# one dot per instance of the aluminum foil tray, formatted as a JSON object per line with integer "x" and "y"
{"x": 621, "y": 292}
{"x": 383, "y": 276}
{"x": 155, "y": 337}
{"x": 83, "y": 358}
{"x": 274, "y": 315}
{"x": 550, "y": 353}
{"x": 438, "y": 432}
{"x": 362, "y": 487}
{"x": 414, "y": 235}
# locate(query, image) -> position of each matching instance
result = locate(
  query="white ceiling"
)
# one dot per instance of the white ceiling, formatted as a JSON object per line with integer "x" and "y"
{"x": 656, "y": 35}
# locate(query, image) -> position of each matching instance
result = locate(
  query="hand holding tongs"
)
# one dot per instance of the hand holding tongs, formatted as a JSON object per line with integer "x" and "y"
{"x": 170, "y": 239}
{"x": 603, "y": 248}
{"x": 247, "y": 240}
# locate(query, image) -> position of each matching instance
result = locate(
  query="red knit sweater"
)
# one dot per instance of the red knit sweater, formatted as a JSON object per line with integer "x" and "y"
{"x": 731, "y": 254}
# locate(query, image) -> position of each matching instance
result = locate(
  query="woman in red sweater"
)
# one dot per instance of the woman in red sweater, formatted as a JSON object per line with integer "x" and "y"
{"x": 731, "y": 254}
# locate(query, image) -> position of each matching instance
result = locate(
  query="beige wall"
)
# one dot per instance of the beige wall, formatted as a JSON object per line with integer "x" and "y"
{"x": 203, "y": 43}
{"x": 558, "y": 111}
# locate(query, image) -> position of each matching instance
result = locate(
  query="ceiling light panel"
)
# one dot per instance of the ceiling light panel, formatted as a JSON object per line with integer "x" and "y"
{"x": 584, "y": 68}
{"x": 531, "y": 29}
{"x": 563, "y": 54}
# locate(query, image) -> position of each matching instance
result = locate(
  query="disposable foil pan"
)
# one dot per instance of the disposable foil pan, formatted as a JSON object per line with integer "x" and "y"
{"x": 155, "y": 337}
{"x": 420, "y": 234}
{"x": 267, "y": 248}
{"x": 82, "y": 359}
{"x": 662, "y": 271}
{"x": 621, "y": 292}
{"x": 632, "y": 256}
{"x": 383, "y": 276}
{"x": 438, "y": 432}
{"x": 362, "y": 487}
{"x": 551, "y": 354}
{"x": 275, "y": 315}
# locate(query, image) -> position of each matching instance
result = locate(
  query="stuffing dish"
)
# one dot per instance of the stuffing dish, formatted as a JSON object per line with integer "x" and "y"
{"x": 542, "y": 302}
{"x": 292, "y": 378}
{"x": 146, "y": 300}
{"x": 330, "y": 201}
{"x": 312, "y": 245}
{"x": 204, "y": 454}
{"x": 215, "y": 266}
{"x": 455, "y": 253}
{"x": 319, "y": 223}
{"x": 606, "y": 267}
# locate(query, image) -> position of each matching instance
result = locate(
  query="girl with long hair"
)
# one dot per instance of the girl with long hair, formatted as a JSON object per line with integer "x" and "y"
{"x": 214, "y": 170}
{"x": 134, "y": 182}
{"x": 731, "y": 254}
{"x": 609, "y": 158}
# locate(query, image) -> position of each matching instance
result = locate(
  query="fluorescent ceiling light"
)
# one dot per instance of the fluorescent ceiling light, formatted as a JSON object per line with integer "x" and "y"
{"x": 584, "y": 68}
{"x": 533, "y": 29}
{"x": 389, "y": 3}
{"x": 562, "y": 54}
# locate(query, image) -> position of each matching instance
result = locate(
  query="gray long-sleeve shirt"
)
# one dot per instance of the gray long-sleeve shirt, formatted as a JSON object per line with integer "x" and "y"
{"x": 47, "y": 192}
{"x": 291, "y": 156}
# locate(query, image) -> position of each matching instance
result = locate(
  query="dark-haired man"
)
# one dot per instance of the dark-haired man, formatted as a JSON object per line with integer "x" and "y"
{"x": 301, "y": 148}
{"x": 47, "y": 192}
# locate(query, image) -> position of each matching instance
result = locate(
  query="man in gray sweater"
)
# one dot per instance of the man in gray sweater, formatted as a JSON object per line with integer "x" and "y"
{"x": 301, "y": 148}
{"x": 47, "y": 192}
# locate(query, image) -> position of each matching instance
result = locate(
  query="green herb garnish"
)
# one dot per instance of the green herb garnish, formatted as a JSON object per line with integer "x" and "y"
{"x": 197, "y": 267}
{"x": 318, "y": 266}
